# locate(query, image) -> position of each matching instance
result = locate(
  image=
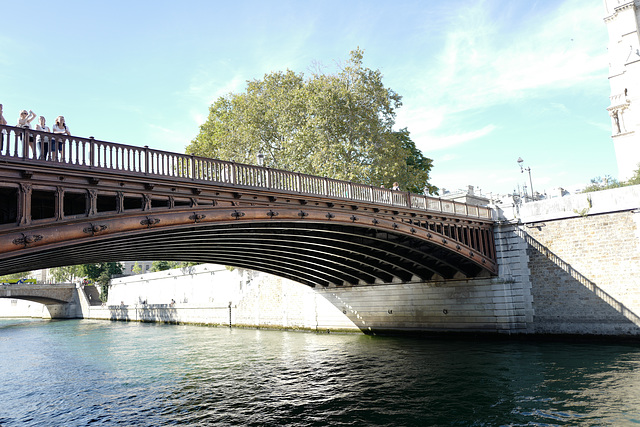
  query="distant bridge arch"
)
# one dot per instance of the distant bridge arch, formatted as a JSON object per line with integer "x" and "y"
{"x": 40, "y": 293}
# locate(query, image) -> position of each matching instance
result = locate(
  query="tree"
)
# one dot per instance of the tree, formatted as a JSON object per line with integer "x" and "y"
{"x": 67, "y": 273}
{"x": 338, "y": 125}
{"x": 14, "y": 276}
{"x": 163, "y": 265}
{"x": 599, "y": 183}
{"x": 101, "y": 274}
{"x": 168, "y": 265}
{"x": 635, "y": 179}
{"x": 417, "y": 167}
{"x": 137, "y": 269}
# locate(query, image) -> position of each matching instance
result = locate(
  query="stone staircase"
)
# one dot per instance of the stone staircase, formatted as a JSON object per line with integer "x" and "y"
{"x": 93, "y": 296}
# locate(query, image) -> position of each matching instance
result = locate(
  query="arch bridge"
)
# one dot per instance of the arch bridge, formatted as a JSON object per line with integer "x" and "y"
{"x": 87, "y": 201}
{"x": 40, "y": 293}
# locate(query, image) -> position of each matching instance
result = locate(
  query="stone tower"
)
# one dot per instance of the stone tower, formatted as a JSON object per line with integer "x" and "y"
{"x": 622, "y": 19}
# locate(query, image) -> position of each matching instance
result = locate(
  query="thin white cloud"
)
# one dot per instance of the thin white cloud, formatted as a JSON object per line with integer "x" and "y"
{"x": 485, "y": 66}
{"x": 168, "y": 139}
{"x": 486, "y": 61}
{"x": 205, "y": 86}
{"x": 453, "y": 139}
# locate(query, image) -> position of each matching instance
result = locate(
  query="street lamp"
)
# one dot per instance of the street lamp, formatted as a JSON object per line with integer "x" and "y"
{"x": 260, "y": 158}
{"x": 528, "y": 169}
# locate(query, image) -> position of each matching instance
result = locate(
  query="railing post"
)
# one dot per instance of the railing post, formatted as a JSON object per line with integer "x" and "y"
{"x": 233, "y": 173}
{"x": 371, "y": 193}
{"x": 146, "y": 160}
{"x": 268, "y": 175}
{"x": 193, "y": 168}
{"x": 92, "y": 145}
{"x": 298, "y": 183}
{"x": 326, "y": 186}
{"x": 350, "y": 190}
{"x": 25, "y": 144}
{"x": 409, "y": 199}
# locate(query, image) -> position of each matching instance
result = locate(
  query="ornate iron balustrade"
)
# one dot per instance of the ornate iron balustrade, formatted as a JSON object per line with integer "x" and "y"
{"x": 36, "y": 146}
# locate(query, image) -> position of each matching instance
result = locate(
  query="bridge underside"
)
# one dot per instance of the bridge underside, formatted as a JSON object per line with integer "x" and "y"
{"x": 41, "y": 300}
{"x": 320, "y": 254}
{"x": 310, "y": 251}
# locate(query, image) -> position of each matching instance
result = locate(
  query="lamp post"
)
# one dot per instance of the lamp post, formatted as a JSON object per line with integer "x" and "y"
{"x": 528, "y": 169}
{"x": 260, "y": 158}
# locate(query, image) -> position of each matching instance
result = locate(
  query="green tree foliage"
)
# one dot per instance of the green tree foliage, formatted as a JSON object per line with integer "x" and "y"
{"x": 635, "y": 179}
{"x": 599, "y": 183}
{"x": 101, "y": 274}
{"x": 168, "y": 265}
{"x": 66, "y": 274}
{"x": 337, "y": 125}
{"x": 14, "y": 276}
{"x": 417, "y": 168}
{"x": 137, "y": 269}
{"x": 607, "y": 183}
{"x": 163, "y": 265}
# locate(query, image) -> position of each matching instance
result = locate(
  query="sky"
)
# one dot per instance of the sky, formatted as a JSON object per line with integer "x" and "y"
{"x": 483, "y": 82}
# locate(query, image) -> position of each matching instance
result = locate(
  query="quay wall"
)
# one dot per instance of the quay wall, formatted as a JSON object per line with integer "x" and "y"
{"x": 567, "y": 266}
{"x": 15, "y": 307}
{"x": 584, "y": 262}
{"x": 212, "y": 295}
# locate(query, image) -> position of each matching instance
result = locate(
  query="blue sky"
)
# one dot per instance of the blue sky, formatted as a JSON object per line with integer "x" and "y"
{"x": 483, "y": 82}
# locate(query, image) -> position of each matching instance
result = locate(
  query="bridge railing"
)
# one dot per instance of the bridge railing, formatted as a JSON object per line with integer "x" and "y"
{"x": 42, "y": 147}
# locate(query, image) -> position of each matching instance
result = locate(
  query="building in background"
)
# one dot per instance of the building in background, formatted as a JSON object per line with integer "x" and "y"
{"x": 622, "y": 18}
{"x": 468, "y": 196}
{"x": 129, "y": 267}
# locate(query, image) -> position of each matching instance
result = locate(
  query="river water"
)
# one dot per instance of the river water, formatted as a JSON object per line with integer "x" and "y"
{"x": 83, "y": 372}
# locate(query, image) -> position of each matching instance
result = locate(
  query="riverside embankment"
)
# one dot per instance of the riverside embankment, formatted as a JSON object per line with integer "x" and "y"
{"x": 567, "y": 266}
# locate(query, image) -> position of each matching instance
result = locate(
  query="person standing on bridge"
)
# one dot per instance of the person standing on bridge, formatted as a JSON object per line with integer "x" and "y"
{"x": 24, "y": 121}
{"x": 3, "y": 122}
{"x": 44, "y": 147}
{"x": 395, "y": 187}
{"x": 59, "y": 127}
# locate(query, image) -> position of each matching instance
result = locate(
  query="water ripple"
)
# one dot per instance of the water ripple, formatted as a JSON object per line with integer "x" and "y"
{"x": 78, "y": 373}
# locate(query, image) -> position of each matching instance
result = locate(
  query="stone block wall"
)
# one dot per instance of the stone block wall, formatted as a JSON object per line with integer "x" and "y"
{"x": 585, "y": 274}
{"x": 490, "y": 305}
{"x": 212, "y": 295}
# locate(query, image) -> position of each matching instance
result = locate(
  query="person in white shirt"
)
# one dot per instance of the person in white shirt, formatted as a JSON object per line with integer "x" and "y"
{"x": 2, "y": 120}
{"x": 59, "y": 127}
{"x": 24, "y": 121}
{"x": 4, "y": 132}
{"x": 44, "y": 146}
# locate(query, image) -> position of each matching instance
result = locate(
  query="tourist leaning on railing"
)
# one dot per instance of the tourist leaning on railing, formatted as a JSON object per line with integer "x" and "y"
{"x": 60, "y": 127}
{"x": 43, "y": 144}
{"x": 3, "y": 122}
